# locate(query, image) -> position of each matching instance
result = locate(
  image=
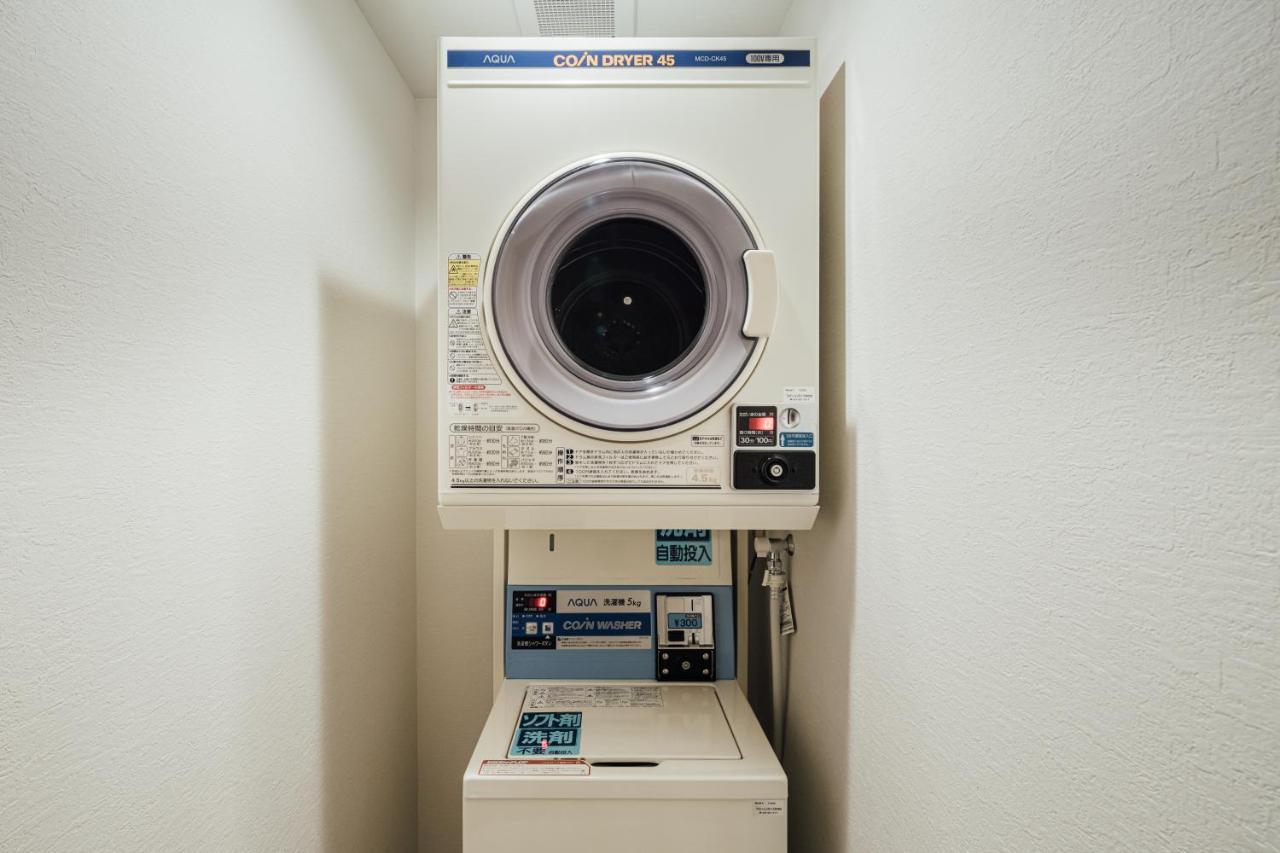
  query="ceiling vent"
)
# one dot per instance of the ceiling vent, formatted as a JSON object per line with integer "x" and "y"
{"x": 590, "y": 18}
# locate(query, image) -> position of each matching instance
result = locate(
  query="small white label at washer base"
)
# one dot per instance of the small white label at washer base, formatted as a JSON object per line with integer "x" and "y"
{"x": 768, "y": 808}
{"x": 799, "y": 394}
{"x": 535, "y": 767}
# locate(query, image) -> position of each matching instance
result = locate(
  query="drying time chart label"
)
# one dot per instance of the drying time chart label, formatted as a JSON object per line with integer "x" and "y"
{"x": 497, "y": 455}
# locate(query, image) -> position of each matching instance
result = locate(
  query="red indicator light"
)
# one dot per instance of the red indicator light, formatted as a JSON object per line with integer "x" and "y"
{"x": 540, "y": 602}
{"x": 762, "y": 424}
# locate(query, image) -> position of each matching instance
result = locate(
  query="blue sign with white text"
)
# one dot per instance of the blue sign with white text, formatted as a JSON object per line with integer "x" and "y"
{"x": 548, "y": 733}
{"x": 551, "y": 720}
{"x": 546, "y": 742}
{"x": 682, "y": 547}
{"x": 628, "y": 58}
{"x": 796, "y": 439}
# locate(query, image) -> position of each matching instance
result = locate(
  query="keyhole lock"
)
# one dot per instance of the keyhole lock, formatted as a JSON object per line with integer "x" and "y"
{"x": 775, "y": 469}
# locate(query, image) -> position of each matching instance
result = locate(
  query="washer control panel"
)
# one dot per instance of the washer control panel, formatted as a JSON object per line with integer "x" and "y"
{"x": 533, "y": 615}
{"x": 686, "y": 638}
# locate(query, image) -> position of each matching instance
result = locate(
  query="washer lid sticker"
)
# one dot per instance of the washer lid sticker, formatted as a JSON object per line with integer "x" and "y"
{"x": 548, "y": 733}
{"x": 535, "y": 767}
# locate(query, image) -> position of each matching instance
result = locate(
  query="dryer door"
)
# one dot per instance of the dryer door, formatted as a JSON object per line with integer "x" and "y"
{"x": 619, "y": 296}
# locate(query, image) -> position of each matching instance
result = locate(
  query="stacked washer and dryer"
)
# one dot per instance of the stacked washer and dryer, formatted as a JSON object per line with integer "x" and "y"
{"x": 628, "y": 357}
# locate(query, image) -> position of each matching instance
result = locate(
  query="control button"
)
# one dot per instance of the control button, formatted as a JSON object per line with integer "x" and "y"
{"x": 531, "y": 627}
{"x": 790, "y": 418}
{"x": 775, "y": 469}
{"x": 548, "y": 627}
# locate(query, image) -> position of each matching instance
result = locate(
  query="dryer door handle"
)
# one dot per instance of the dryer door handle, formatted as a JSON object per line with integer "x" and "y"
{"x": 762, "y": 293}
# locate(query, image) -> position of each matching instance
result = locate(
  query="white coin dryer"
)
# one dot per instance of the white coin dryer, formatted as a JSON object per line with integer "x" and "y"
{"x": 628, "y": 260}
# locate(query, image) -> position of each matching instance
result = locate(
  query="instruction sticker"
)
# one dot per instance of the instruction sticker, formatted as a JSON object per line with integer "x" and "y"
{"x": 535, "y": 767}
{"x": 471, "y": 374}
{"x": 545, "y": 696}
{"x": 682, "y": 547}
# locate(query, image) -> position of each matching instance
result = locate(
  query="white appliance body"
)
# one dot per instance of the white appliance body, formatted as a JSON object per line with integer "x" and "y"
{"x": 589, "y": 746}
{"x": 628, "y": 313}
{"x": 692, "y": 773}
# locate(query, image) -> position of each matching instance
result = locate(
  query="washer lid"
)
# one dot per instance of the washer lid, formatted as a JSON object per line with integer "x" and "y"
{"x": 632, "y": 723}
{"x": 619, "y": 295}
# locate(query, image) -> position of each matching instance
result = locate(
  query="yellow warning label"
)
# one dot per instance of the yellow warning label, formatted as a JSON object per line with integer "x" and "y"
{"x": 464, "y": 271}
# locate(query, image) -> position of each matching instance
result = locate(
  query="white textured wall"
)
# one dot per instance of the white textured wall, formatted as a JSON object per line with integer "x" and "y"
{"x": 206, "y": 427}
{"x": 455, "y": 572}
{"x": 1042, "y": 609}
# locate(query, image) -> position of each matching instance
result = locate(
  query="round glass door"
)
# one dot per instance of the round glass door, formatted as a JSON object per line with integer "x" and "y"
{"x": 628, "y": 298}
{"x": 619, "y": 293}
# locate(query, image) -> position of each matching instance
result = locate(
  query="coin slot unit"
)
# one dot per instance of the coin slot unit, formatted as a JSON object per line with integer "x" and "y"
{"x": 686, "y": 638}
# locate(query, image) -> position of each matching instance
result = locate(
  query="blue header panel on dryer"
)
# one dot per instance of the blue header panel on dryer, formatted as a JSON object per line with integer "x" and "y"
{"x": 627, "y": 58}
